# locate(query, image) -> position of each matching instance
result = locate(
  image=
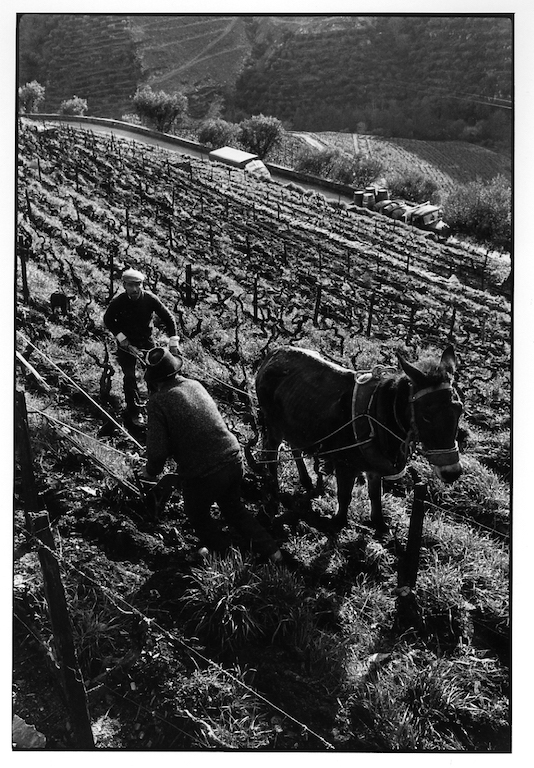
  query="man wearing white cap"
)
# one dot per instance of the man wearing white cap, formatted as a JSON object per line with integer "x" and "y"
{"x": 129, "y": 317}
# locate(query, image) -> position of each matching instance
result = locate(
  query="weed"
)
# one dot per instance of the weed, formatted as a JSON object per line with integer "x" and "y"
{"x": 220, "y": 602}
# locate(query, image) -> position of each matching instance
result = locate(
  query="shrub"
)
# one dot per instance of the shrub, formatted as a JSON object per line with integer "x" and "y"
{"x": 159, "y": 109}
{"x": 31, "y": 96}
{"x": 333, "y": 163}
{"x": 131, "y": 117}
{"x": 260, "y": 134}
{"x": 218, "y": 133}
{"x": 413, "y": 186}
{"x": 365, "y": 170}
{"x": 482, "y": 210}
{"x": 74, "y": 106}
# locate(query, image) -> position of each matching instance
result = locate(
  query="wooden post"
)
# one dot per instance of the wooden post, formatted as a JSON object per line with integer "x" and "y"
{"x": 317, "y": 307}
{"x": 453, "y": 320}
{"x": 411, "y": 323}
{"x": 407, "y": 262}
{"x": 38, "y": 525}
{"x": 483, "y": 279}
{"x": 409, "y": 566}
{"x": 23, "y": 255}
{"x": 348, "y": 264}
{"x": 255, "y": 300}
{"x": 29, "y": 206}
{"x": 112, "y": 251}
{"x": 370, "y": 318}
{"x": 127, "y": 225}
{"x": 188, "y": 285}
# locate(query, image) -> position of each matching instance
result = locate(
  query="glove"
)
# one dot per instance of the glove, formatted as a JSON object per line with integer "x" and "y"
{"x": 174, "y": 349}
{"x": 122, "y": 341}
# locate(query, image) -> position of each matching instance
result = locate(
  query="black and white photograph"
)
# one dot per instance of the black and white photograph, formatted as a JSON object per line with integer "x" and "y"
{"x": 265, "y": 330}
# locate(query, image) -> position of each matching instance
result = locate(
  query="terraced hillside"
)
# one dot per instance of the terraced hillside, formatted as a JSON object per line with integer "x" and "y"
{"x": 415, "y": 77}
{"x": 446, "y": 162}
{"x": 231, "y": 653}
{"x": 177, "y": 49}
{"x": 93, "y": 57}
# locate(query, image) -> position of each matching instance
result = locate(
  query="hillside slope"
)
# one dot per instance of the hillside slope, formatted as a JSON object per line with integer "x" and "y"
{"x": 414, "y": 77}
{"x": 228, "y": 653}
{"x": 446, "y": 162}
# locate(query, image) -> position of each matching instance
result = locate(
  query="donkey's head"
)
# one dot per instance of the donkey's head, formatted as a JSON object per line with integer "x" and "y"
{"x": 435, "y": 412}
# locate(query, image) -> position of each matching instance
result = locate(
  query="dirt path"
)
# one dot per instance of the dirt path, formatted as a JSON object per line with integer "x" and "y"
{"x": 201, "y": 55}
{"x": 311, "y": 140}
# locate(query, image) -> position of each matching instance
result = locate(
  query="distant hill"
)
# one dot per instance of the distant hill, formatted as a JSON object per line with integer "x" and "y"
{"x": 411, "y": 77}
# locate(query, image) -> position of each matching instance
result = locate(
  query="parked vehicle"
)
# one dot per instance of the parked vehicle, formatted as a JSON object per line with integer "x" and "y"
{"x": 423, "y": 216}
{"x": 239, "y": 159}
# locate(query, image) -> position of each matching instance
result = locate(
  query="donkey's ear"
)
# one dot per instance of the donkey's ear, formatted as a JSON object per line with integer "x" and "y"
{"x": 448, "y": 360}
{"x": 417, "y": 376}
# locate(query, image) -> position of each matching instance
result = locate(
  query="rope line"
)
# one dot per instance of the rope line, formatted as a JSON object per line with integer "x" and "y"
{"x": 80, "y": 389}
{"x": 78, "y": 431}
{"x": 192, "y": 651}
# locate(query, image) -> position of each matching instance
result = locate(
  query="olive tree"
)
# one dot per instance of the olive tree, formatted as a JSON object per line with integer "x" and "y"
{"x": 259, "y": 134}
{"x": 74, "y": 106}
{"x": 159, "y": 110}
{"x": 31, "y": 95}
{"x": 218, "y": 133}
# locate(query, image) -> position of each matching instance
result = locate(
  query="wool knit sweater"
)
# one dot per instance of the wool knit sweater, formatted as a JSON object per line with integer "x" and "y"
{"x": 185, "y": 424}
{"x": 134, "y": 318}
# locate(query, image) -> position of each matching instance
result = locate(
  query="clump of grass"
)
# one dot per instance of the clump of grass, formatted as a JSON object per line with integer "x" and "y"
{"x": 365, "y": 613}
{"x": 478, "y": 495}
{"x": 233, "y": 603}
{"x": 479, "y": 569}
{"x": 221, "y": 600}
{"x": 419, "y": 701}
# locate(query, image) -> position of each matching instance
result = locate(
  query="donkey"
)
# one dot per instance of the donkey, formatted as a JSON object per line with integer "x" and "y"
{"x": 360, "y": 423}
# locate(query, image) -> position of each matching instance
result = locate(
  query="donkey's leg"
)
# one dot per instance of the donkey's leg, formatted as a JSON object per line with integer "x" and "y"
{"x": 304, "y": 476}
{"x": 345, "y": 477}
{"x": 374, "y": 487}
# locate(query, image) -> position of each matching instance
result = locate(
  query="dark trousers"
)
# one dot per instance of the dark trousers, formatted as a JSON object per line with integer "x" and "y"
{"x": 224, "y": 489}
{"x": 128, "y": 364}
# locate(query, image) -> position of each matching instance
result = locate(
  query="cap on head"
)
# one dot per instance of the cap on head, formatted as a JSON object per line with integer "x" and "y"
{"x": 132, "y": 276}
{"x": 161, "y": 365}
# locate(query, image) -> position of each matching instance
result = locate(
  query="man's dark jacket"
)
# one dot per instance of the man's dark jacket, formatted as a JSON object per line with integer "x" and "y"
{"x": 134, "y": 318}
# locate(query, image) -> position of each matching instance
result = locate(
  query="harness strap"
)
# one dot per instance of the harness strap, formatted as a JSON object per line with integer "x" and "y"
{"x": 429, "y": 390}
{"x": 368, "y": 440}
{"x": 444, "y": 457}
